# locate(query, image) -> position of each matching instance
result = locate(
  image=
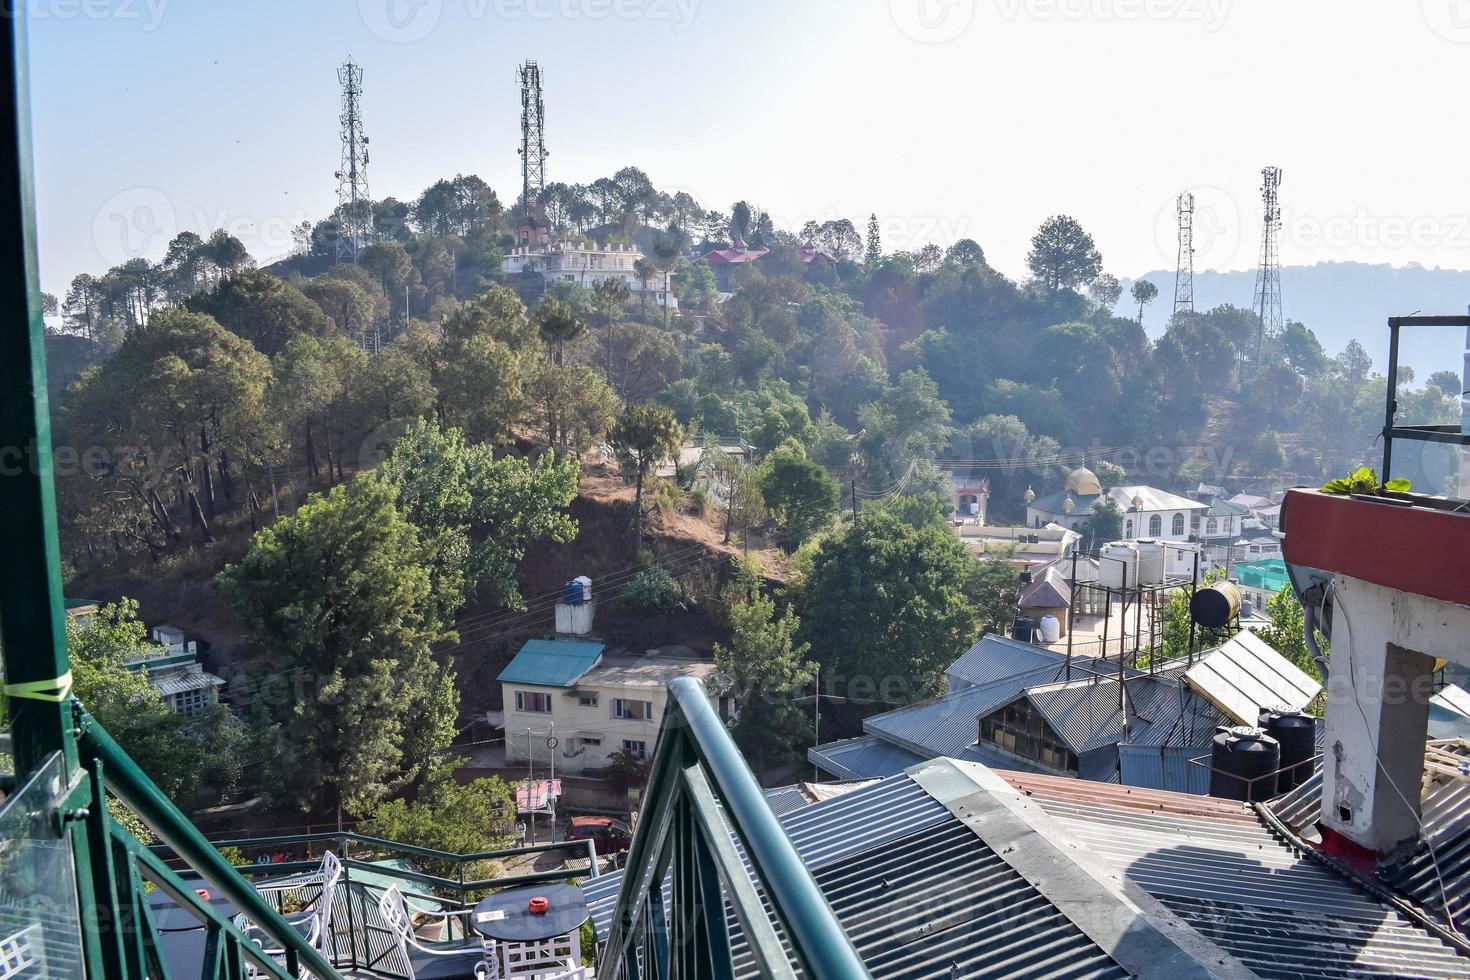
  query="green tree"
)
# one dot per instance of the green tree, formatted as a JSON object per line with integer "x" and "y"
{"x": 264, "y": 310}
{"x": 1105, "y": 291}
{"x": 645, "y": 435}
{"x": 350, "y": 306}
{"x": 1287, "y": 631}
{"x": 444, "y": 815}
{"x": 994, "y": 587}
{"x": 572, "y": 407}
{"x": 1062, "y": 255}
{"x": 476, "y": 514}
{"x": 558, "y": 325}
{"x": 767, "y": 668}
{"x": 885, "y": 606}
{"x": 1143, "y": 293}
{"x": 873, "y": 250}
{"x": 335, "y": 601}
{"x": 800, "y": 493}
{"x": 1104, "y": 525}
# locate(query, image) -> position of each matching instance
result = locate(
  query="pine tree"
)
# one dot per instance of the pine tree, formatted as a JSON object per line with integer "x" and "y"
{"x": 874, "y": 252}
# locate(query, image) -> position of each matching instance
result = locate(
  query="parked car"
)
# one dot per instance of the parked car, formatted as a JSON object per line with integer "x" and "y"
{"x": 611, "y": 835}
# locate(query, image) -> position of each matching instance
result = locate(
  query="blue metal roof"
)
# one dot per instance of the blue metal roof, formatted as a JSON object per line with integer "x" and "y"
{"x": 862, "y": 757}
{"x": 551, "y": 663}
{"x": 997, "y": 657}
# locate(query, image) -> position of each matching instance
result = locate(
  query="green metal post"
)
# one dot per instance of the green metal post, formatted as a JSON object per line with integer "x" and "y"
{"x": 32, "y": 614}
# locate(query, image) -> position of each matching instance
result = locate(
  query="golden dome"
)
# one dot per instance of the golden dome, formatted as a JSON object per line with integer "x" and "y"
{"x": 1083, "y": 482}
{"x": 1068, "y": 504}
{"x": 1030, "y": 495}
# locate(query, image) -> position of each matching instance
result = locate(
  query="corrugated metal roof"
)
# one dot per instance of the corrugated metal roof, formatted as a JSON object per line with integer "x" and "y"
{"x": 1245, "y": 674}
{"x": 551, "y": 663}
{"x": 862, "y": 757}
{"x": 996, "y": 658}
{"x": 1213, "y": 864}
{"x": 1164, "y": 767}
{"x": 919, "y": 894}
{"x": 1438, "y": 869}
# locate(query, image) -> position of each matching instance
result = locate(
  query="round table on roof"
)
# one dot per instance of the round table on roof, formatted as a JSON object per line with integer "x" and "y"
{"x": 506, "y": 916}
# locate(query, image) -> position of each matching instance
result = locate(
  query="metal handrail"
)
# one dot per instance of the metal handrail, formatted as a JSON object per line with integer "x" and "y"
{"x": 700, "y": 791}
{"x": 113, "y": 769}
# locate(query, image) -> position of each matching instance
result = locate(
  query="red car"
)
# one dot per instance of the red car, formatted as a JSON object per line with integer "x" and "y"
{"x": 610, "y": 835}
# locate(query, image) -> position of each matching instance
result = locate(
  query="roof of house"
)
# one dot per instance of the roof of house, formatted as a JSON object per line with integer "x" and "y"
{"x": 995, "y": 657}
{"x": 1219, "y": 507}
{"x": 653, "y": 670}
{"x": 864, "y": 757}
{"x": 551, "y": 663}
{"x": 735, "y": 254}
{"x": 1088, "y": 714}
{"x": 1049, "y": 589}
{"x": 952, "y": 870}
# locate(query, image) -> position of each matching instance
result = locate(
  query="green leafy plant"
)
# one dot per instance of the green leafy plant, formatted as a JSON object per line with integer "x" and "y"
{"x": 1364, "y": 480}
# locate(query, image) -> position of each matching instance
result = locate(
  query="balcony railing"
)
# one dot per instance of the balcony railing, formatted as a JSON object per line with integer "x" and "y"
{"x": 684, "y": 871}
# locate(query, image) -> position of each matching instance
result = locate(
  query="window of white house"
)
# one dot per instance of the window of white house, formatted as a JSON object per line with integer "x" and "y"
{"x": 1178, "y": 524}
{"x": 637, "y": 749}
{"x": 1127, "y": 529}
{"x": 632, "y": 710}
{"x": 1155, "y": 526}
{"x": 533, "y": 701}
{"x": 1212, "y": 526}
{"x": 587, "y": 700}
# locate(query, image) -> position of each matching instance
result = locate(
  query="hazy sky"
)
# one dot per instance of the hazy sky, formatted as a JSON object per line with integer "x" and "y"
{"x": 948, "y": 118}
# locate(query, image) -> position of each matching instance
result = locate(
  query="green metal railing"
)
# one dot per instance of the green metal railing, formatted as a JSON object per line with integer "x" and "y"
{"x": 700, "y": 793}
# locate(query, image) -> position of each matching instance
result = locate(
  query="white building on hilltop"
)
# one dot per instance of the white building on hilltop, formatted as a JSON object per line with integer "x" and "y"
{"x": 579, "y": 262}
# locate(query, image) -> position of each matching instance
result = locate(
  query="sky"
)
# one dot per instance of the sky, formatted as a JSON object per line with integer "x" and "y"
{"x": 946, "y": 118}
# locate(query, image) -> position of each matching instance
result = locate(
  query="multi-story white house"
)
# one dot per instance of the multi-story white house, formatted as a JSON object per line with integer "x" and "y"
{"x": 176, "y": 674}
{"x": 585, "y": 265}
{"x": 570, "y": 698}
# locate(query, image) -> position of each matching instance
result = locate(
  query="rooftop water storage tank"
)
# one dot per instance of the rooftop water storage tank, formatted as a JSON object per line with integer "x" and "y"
{"x": 1296, "y": 731}
{"x": 1150, "y": 561}
{"x": 1243, "y": 764}
{"x": 1215, "y": 606}
{"x": 1118, "y": 566}
{"x": 1023, "y": 629}
{"x": 1051, "y": 629}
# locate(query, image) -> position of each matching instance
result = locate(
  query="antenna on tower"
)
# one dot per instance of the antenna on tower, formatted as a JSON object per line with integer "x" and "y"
{"x": 1268, "y": 271}
{"x": 533, "y": 139}
{"x": 353, "y": 202}
{"x": 1184, "y": 266}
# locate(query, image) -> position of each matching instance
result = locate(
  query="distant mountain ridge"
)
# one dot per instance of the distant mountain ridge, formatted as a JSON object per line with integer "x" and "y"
{"x": 1339, "y": 301}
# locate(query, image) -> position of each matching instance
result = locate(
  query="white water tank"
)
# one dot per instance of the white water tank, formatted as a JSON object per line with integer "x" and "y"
{"x": 1051, "y": 629}
{"x": 1117, "y": 566}
{"x": 1150, "y": 561}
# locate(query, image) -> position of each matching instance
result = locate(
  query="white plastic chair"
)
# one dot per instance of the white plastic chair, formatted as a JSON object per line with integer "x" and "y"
{"x": 315, "y": 924}
{"x": 438, "y": 960}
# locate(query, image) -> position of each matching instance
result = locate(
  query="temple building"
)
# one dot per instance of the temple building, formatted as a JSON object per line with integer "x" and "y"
{"x": 1148, "y": 512}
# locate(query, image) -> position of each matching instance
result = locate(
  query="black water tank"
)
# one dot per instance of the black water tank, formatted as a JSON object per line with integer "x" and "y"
{"x": 1024, "y": 629}
{"x": 1215, "y": 606}
{"x": 1296, "y": 731}
{"x": 1240, "y": 755}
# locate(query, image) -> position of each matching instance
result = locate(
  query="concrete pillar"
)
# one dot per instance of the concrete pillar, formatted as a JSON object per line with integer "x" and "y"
{"x": 1384, "y": 644}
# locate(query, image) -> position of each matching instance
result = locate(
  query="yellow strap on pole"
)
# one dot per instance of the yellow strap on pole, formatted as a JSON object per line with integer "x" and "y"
{"x": 55, "y": 689}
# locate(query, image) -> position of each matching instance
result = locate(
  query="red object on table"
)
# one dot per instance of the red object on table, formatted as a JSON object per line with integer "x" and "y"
{"x": 538, "y": 906}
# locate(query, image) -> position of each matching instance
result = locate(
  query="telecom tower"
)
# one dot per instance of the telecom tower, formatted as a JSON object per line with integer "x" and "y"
{"x": 353, "y": 202}
{"x": 533, "y": 139}
{"x": 1268, "y": 272}
{"x": 1184, "y": 266}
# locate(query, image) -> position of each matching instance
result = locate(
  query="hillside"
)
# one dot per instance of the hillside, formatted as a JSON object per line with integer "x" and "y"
{"x": 1340, "y": 302}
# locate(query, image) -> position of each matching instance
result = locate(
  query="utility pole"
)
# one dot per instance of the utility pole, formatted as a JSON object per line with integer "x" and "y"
{"x": 353, "y": 201}
{"x": 817, "y": 717}
{"x": 1184, "y": 265}
{"x": 853, "y": 485}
